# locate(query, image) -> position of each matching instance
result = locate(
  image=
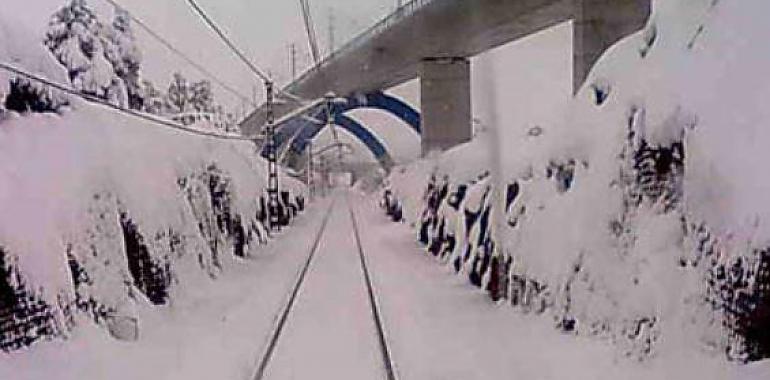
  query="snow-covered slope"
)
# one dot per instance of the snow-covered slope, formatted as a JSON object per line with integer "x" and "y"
{"x": 642, "y": 218}
{"x": 102, "y": 214}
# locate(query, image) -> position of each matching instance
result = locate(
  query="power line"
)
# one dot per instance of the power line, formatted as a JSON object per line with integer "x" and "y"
{"x": 227, "y": 41}
{"x": 265, "y": 78}
{"x": 310, "y": 29}
{"x": 134, "y": 113}
{"x": 176, "y": 51}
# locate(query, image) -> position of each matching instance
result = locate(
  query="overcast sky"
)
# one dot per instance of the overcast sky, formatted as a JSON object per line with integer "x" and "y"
{"x": 264, "y": 29}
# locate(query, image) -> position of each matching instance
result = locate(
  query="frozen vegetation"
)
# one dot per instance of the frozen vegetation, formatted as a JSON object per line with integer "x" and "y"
{"x": 641, "y": 219}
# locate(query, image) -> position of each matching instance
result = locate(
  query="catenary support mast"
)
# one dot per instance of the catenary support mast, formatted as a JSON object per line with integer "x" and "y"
{"x": 272, "y": 166}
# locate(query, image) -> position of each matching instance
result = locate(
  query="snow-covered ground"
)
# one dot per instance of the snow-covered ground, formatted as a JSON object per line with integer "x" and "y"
{"x": 440, "y": 328}
{"x": 436, "y": 326}
{"x": 216, "y": 331}
{"x": 330, "y": 332}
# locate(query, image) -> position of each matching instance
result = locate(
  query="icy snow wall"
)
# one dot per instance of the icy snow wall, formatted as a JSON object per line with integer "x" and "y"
{"x": 644, "y": 217}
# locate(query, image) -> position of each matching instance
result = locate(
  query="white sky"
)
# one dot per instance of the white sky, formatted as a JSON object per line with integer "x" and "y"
{"x": 263, "y": 29}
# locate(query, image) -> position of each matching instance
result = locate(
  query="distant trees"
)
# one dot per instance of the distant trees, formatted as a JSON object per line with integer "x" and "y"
{"x": 201, "y": 98}
{"x": 184, "y": 97}
{"x": 178, "y": 94}
{"x": 155, "y": 101}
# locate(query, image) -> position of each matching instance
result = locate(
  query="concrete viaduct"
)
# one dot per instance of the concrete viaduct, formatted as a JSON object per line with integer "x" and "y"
{"x": 433, "y": 40}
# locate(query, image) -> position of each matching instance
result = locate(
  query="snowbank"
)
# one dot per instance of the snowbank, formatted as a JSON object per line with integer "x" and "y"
{"x": 624, "y": 220}
{"x": 103, "y": 214}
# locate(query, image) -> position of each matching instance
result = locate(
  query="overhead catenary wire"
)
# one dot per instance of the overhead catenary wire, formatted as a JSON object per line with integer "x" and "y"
{"x": 310, "y": 29}
{"x": 180, "y": 54}
{"x": 210, "y": 22}
{"x": 141, "y": 115}
{"x": 227, "y": 41}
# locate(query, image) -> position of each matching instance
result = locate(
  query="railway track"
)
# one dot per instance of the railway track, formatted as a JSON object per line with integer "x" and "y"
{"x": 376, "y": 314}
{"x": 285, "y": 312}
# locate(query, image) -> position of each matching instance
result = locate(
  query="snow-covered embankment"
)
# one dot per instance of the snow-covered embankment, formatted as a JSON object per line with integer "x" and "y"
{"x": 103, "y": 215}
{"x": 643, "y": 217}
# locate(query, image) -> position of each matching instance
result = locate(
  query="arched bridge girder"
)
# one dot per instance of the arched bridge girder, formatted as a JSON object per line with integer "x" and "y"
{"x": 374, "y": 100}
{"x": 360, "y": 132}
{"x": 304, "y": 127}
{"x": 297, "y": 132}
{"x": 385, "y": 102}
{"x": 367, "y": 138}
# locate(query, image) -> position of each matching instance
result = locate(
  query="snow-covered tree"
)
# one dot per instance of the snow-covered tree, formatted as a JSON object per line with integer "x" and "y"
{"x": 201, "y": 98}
{"x": 125, "y": 56}
{"x": 178, "y": 94}
{"x": 231, "y": 123}
{"x": 155, "y": 101}
{"x": 29, "y": 96}
{"x": 101, "y": 60}
{"x": 70, "y": 37}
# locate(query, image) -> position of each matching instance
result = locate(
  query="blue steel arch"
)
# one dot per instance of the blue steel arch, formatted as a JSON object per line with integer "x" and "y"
{"x": 355, "y": 128}
{"x": 375, "y": 100}
{"x": 306, "y": 130}
{"x": 367, "y": 138}
{"x": 300, "y": 130}
{"x": 385, "y": 102}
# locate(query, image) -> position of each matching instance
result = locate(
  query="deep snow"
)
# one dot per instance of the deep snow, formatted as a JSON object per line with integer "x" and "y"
{"x": 103, "y": 214}
{"x": 217, "y": 329}
{"x": 440, "y": 328}
{"x": 627, "y": 210}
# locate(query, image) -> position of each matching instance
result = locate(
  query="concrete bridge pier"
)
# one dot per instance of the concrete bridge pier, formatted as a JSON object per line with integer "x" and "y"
{"x": 445, "y": 97}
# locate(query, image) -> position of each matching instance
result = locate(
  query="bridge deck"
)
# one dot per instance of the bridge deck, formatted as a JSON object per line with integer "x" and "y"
{"x": 391, "y": 52}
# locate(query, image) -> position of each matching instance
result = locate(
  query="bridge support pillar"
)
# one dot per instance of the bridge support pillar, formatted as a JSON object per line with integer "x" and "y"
{"x": 597, "y": 25}
{"x": 446, "y": 103}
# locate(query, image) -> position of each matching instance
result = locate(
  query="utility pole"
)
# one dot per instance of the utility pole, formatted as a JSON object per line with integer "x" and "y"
{"x": 310, "y": 170}
{"x": 293, "y": 60}
{"x": 331, "y": 31}
{"x": 272, "y": 166}
{"x": 331, "y": 125}
{"x": 322, "y": 175}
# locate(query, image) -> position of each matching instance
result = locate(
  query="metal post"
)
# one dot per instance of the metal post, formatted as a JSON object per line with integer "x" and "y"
{"x": 331, "y": 31}
{"x": 272, "y": 167}
{"x": 324, "y": 170}
{"x": 311, "y": 190}
{"x": 330, "y": 123}
{"x": 293, "y": 60}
